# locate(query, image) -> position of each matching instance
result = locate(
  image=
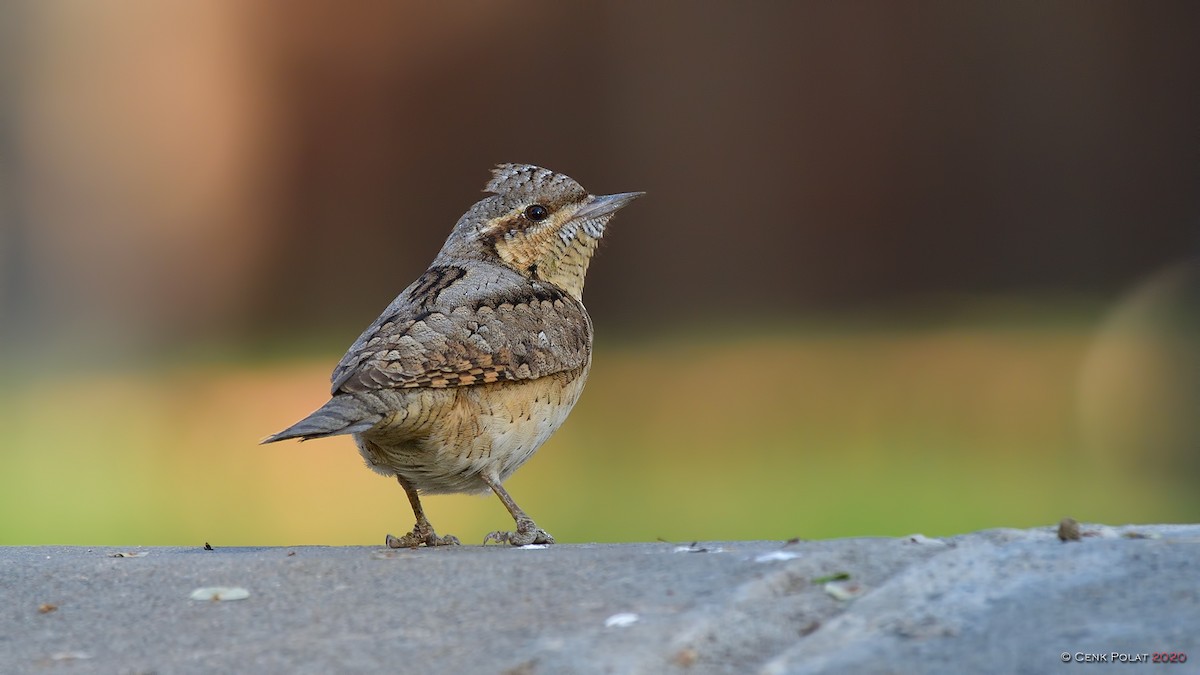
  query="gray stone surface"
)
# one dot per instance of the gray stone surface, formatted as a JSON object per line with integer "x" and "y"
{"x": 1003, "y": 601}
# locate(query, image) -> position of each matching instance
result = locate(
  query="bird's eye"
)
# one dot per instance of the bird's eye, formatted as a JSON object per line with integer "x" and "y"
{"x": 536, "y": 212}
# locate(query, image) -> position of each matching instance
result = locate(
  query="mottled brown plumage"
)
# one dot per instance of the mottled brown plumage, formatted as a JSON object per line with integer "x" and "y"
{"x": 474, "y": 365}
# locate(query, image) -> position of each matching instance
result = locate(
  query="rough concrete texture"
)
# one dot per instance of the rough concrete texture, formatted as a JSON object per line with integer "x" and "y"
{"x": 1003, "y": 601}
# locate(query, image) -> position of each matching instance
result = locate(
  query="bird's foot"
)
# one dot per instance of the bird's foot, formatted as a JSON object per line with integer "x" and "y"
{"x": 420, "y": 536}
{"x": 527, "y": 533}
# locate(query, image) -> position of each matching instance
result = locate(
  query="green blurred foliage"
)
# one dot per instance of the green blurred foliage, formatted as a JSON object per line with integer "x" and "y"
{"x": 825, "y": 430}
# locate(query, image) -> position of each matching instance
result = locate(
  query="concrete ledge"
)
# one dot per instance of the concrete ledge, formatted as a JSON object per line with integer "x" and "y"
{"x": 998, "y": 601}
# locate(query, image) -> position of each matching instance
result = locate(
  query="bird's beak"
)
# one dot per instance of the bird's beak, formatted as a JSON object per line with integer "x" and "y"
{"x": 604, "y": 205}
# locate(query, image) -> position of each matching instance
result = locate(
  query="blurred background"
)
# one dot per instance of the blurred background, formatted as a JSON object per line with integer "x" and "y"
{"x": 902, "y": 267}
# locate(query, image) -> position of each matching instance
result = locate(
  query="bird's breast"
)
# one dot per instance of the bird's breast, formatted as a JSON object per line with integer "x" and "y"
{"x": 442, "y": 440}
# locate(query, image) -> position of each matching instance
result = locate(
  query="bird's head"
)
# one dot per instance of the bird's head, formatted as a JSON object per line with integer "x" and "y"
{"x": 542, "y": 224}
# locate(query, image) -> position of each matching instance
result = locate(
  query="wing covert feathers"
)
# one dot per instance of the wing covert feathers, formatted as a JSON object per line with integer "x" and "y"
{"x": 514, "y": 331}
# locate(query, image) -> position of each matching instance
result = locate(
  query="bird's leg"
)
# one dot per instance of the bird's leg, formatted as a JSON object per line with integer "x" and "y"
{"x": 422, "y": 532}
{"x": 527, "y": 531}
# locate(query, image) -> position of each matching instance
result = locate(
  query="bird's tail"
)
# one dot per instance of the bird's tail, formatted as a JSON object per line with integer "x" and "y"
{"x": 341, "y": 415}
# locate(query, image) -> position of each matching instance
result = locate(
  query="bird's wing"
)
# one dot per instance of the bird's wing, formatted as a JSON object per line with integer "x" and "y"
{"x": 512, "y": 329}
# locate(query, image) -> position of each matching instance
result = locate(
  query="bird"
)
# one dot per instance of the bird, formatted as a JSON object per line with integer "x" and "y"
{"x": 479, "y": 361}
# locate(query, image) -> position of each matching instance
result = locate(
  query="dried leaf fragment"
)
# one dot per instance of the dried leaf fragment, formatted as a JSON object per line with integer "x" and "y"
{"x": 1068, "y": 530}
{"x": 836, "y": 576}
{"x": 844, "y": 590}
{"x": 220, "y": 593}
{"x": 685, "y": 658}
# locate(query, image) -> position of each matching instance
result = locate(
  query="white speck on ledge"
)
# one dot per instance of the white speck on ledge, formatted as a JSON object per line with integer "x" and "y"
{"x": 621, "y": 620}
{"x": 775, "y": 556}
{"x": 532, "y": 547}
